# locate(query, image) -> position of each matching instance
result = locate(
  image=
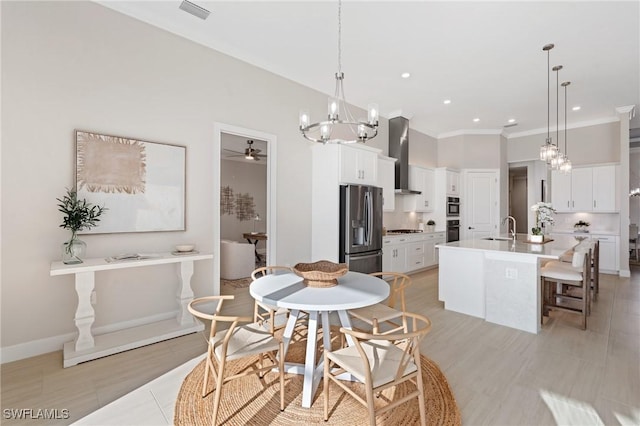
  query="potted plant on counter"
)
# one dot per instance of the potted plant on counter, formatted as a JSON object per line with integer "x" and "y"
{"x": 581, "y": 226}
{"x": 78, "y": 215}
{"x": 544, "y": 218}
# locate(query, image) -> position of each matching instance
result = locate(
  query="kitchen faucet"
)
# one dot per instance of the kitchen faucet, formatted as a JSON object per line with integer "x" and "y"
{"x": 513, "y": 232}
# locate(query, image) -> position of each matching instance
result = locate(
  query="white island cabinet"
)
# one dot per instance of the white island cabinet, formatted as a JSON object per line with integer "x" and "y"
{"x": 497, "y": 280}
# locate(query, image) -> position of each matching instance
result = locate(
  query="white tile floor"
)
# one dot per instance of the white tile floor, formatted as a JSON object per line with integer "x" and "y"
{"x": 150, "y": 404}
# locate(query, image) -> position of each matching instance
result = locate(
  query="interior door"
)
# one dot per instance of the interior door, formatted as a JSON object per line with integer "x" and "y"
{"x": 480, "y": 203}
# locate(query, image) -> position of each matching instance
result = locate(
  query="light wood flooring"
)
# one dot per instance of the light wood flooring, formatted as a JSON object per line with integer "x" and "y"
{"x": 499, "y": 376}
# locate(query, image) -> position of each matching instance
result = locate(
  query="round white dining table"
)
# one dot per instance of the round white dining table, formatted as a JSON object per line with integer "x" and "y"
{"x": 354, "y": 290}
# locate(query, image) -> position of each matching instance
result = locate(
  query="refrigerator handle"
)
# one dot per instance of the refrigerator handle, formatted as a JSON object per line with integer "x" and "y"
{"x": 369, "y": 200}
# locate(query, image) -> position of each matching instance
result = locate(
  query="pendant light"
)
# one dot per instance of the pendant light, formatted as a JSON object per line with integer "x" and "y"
{"x": 340, "y": 126}
{"x": 548, "y": 151}
{"x": 565, "y": 167}
{"x": 558, "y": 160}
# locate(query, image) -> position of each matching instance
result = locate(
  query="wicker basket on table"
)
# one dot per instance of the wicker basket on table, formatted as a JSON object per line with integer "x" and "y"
{"x": 321, "y": 274}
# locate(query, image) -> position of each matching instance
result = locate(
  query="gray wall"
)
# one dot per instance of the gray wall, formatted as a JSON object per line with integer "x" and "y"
{"x": 585, "y": 145}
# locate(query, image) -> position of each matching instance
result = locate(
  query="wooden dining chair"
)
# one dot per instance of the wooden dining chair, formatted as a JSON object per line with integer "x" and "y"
{"x": 271, "y": 317}
{"x": 567, "y": 286}
{"x": 390, "y": 313}
{"x": 233, "y": 343}
{"x": 380, "y": 362}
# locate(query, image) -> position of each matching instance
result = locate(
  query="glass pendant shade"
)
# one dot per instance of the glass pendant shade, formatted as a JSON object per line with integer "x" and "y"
{"x": 566, "y": 166}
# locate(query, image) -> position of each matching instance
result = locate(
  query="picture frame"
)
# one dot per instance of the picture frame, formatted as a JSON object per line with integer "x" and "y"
{"x": 142, "y": 184}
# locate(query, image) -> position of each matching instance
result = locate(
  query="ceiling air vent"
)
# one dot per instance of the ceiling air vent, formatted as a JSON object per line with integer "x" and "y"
{"x": 194, "y": 9}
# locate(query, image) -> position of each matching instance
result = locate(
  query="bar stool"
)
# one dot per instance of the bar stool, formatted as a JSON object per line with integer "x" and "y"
{"x": 594, "y": 245}
{"x": 566, "y": 287}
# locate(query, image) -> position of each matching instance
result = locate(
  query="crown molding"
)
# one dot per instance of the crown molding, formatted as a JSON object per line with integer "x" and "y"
{"x": 578, "y": 125}
{"x": 470, "y": 132}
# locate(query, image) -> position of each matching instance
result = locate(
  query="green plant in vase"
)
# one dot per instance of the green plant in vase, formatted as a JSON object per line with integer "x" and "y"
{"x": 78, "y": 215}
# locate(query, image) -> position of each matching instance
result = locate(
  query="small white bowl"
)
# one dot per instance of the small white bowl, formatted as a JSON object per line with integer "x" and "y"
{"x": 185, "y": 247}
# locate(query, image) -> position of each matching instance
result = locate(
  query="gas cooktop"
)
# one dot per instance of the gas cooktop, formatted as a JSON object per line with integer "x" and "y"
{"x": 403, "y": 231}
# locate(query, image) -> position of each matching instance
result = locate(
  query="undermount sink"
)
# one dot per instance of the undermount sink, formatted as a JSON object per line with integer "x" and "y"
{"x": 497, "y": 238}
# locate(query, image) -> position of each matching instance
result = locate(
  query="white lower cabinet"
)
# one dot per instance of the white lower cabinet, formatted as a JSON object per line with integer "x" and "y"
{"x": 609, "y": 261}
{"x": 608, "y": 252}
{"x": 394, "y": 255}
{"x": 410, "y": 253}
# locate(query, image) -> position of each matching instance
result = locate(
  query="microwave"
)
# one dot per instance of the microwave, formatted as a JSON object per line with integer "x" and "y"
{"x": 453, "y": 206}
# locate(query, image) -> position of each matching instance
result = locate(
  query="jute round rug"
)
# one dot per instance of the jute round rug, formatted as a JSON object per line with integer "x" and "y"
{"x": 254, "y": 401}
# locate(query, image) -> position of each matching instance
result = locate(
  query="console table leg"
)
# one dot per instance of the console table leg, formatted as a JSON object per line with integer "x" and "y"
{"x": 85, "y": 315}
{"x": 185, "y": 293}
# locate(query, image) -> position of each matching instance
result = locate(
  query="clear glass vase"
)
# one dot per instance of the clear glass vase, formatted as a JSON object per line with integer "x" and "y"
{"x": 73, "y": 251}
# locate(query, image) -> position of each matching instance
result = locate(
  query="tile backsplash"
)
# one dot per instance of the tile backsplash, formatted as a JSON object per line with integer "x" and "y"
{"x": 599, "y": 222}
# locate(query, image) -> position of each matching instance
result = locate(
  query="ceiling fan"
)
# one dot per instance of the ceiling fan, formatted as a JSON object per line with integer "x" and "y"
{"x": 250, "y": 153}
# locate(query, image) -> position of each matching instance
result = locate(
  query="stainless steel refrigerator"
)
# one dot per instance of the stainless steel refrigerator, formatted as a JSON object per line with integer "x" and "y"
{"x": 361, "y": 227}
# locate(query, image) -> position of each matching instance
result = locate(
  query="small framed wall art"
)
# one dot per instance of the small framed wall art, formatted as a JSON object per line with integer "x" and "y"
{"x": 142, "y": 184}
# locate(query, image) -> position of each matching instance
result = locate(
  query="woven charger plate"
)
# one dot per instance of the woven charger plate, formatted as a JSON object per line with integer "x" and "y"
{"x": 322, "y": 273}
{"x": 254, "y": 401}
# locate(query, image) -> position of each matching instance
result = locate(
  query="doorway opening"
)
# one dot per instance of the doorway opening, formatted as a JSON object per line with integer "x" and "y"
{"x": 244, "y": 205}
{"x": 518, "y": 196}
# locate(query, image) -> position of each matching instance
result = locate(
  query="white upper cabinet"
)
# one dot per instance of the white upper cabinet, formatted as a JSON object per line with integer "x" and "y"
{"x": 561, "y": 191}
{"x": 606, "y": 189}
{"x": 581, "y": 189}
{"x": 386, "y": 181}
{"x": 586, "y": 189}
{"x": 358, "y": 165}
{"x": 453, "y": 183}
{"x": 423, "y": 180}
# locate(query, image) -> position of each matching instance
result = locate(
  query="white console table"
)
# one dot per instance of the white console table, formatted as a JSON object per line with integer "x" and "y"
{"x": 86, "y": 346}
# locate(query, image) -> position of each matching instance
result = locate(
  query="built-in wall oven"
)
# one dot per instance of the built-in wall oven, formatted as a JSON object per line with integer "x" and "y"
{"x": 453, "y": 207}
{"x": 453, "y": 230}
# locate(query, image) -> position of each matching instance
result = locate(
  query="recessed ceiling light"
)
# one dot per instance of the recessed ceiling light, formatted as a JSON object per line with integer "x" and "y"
{"x": 405, "y": 75}
{"x": 576, "y": 108}
{"x": 447, "y": 101}
{"x": 475, "y": 120}
{"x": 512, "y": 120}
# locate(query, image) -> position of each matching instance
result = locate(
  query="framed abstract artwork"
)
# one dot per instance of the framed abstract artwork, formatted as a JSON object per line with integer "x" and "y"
{"x": 142, "y": 184}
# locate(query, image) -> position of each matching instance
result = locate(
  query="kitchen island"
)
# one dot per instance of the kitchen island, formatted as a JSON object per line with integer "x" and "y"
{"x": 497, "y": 279}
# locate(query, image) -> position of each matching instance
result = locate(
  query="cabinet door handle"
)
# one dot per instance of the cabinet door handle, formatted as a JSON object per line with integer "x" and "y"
{"x": 471, "y": 228}
{"x": 568, "y": 203}
{"x": 573, "y": 204}
{"x": 594, "y": 203}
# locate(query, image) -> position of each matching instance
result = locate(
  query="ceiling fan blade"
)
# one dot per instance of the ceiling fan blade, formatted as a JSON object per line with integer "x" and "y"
{"x": 235, "y": 152}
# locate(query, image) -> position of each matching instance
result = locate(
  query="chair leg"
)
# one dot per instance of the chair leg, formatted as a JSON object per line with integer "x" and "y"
{"x": 218, "y": 394}
{"x": 421, "y": 403}
{"x": 370, "y": 406}
{"x": 207, "y": 366}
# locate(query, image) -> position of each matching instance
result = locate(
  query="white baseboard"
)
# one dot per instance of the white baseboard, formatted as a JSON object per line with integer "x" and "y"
{"x": 625, "y": 273}
{"x": 55, "y": 343}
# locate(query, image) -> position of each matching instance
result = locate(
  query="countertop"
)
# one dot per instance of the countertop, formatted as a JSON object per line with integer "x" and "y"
{"x": 551, "y": 250}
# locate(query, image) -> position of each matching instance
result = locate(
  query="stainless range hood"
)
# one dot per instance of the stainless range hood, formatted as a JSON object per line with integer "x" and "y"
{"x": 399, "y": 149}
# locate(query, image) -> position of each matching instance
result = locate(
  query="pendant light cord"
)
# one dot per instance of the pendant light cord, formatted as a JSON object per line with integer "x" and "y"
{"x": 548, "y": 95}
{"x": 558, "y": 106}
{"x": 339, "y": 37}
{"x": 566, "y": 152}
